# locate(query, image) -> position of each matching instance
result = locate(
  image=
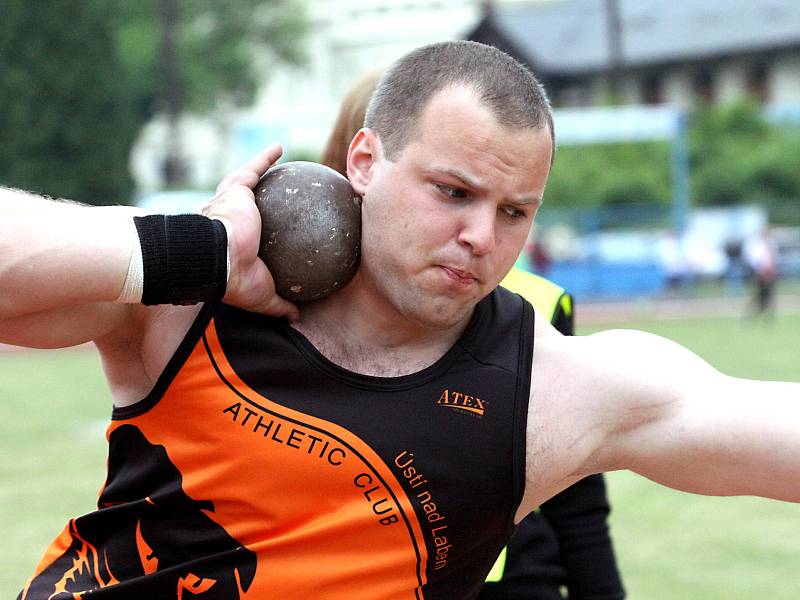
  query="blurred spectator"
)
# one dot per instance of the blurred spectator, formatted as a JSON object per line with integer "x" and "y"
{"x": 671, "y": 257}
{"x": 762, "y": 258}
{"x": 349, "y": 121}
{"x": 539, "y": 257}
{"x": 735, "y": 268}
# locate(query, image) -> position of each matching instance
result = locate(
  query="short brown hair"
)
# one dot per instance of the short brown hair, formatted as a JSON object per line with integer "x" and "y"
{"x": 508, "y": 88}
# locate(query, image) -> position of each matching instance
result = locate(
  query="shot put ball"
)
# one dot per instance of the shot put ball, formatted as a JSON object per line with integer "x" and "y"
{"x": 310, "y": 229}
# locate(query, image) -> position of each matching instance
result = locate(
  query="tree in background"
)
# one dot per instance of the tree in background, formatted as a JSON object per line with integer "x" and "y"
{"x": 736, "y": 157}
{"x": 610, "y": 174}
{"x": 79, "y": 78}
{"x": 199, "y": 55}
{"x": 65, "y": 113}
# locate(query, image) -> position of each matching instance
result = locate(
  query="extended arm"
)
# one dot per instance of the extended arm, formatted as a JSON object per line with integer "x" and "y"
{"x": 56, "y": 257}
{"x": 630, "y": 400}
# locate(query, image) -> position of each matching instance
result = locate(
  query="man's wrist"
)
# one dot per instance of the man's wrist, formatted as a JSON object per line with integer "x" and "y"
{"x": 134, "y": 279}
{"x": 176, "y": 259}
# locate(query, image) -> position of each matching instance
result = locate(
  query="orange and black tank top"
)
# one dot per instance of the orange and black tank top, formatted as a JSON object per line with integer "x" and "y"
{"x": 256, "y": 468}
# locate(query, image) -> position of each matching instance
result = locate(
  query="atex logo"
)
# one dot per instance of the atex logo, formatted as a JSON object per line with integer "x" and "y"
{"x": 462, "y": 402}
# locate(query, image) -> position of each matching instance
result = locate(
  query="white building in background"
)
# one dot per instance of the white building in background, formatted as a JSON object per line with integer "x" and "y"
{"x": 347, "y": 38}
{"x": 298, "y": 105}
{"x": 675, "y": 53}
{"x": 658, "y": 52}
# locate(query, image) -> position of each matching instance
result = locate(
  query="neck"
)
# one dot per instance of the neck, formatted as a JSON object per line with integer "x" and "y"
{"x": 383, "y": 344}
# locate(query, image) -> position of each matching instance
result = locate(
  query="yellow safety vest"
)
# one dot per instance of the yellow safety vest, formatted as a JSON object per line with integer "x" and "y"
{"x": 545, "y": 295}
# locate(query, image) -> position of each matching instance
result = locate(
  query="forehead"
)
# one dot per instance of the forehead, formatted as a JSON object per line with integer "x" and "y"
{"x": 457, "y": 130}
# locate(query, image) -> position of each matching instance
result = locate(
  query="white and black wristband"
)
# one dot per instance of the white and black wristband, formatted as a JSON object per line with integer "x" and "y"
{"x": 181, "y": 259}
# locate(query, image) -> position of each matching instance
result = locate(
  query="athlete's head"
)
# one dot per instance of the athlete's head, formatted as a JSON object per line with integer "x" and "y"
{"x": 451, "y": 166}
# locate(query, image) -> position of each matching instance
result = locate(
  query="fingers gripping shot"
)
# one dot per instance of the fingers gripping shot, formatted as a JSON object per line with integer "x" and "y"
{"x": 383, "y": 441}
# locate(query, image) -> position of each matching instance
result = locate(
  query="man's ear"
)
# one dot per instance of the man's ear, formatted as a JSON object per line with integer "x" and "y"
{"x": 362, "y": 155}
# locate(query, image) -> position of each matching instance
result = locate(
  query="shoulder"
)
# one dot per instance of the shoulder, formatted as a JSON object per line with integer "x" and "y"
{"x": 578, "y": 397}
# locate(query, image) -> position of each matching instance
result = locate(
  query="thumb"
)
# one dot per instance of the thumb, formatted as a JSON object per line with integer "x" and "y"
{"x": 277, "y": 306}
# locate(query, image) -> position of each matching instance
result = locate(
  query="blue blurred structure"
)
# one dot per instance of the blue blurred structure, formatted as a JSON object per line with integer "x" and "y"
{"x": 587, "y": 279}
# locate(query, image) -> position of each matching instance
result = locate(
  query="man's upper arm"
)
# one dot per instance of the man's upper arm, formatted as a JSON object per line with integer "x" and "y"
{"x": 631, "y": 400}
{"x": 600, "y": 403}
{"x": 634, "y": 398}
{"x": 65, "y": 326}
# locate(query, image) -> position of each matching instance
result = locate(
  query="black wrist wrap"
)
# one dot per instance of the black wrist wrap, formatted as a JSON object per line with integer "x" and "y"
{"x": 184, "y": 258}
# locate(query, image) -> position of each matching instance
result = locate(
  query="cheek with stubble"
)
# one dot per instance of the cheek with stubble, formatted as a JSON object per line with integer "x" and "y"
{"x": 390, "y": 236}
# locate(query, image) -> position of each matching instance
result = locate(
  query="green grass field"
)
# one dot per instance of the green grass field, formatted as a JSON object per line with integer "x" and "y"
{"x": 676, "y": 546}
{"x": 670, "y": 545}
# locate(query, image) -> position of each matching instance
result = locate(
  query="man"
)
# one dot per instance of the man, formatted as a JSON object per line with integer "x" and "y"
{"x": 566, "y": 543}
{"x": 762, "y": 259}
{"x": 383, "y": 443}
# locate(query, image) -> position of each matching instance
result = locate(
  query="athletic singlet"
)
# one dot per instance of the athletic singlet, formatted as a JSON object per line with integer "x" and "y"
{"x": 256, "y": 468}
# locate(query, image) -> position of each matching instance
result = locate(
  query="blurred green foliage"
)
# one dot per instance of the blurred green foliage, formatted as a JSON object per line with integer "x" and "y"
{"x": 736, "y": 157}
{"x": 224, "y": 49}
{"x": 65, "y": 108}
{"x": 610, "y": 174}
{"x": 79, "y": 78}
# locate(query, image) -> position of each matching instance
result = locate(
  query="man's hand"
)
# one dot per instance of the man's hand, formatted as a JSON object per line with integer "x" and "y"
{"x": 250, "y": 284}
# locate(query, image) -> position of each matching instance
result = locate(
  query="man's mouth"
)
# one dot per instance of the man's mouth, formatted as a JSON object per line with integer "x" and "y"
{"x": 459, "y": 275}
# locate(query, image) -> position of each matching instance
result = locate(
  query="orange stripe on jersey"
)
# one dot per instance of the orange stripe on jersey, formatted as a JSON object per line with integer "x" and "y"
{"x": 256, "y": 460}
{"x": 55, "y": 550}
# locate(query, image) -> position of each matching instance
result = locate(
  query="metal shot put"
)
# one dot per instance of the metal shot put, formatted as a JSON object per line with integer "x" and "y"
{"x": 310, "y": 229}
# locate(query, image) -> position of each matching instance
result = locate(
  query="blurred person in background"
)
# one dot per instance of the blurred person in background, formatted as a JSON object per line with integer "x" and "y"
{"x": 670, "y": 256}
{"x": 566, "y": 543}
{"x": 735, "y": 269}
{"x": 538, "y": 257}
{"x": 761, "y": 257}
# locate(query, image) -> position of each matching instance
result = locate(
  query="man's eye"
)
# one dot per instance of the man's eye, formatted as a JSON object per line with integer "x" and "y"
{"x": 514, "y": 213}
{"x": 452, "y": 192}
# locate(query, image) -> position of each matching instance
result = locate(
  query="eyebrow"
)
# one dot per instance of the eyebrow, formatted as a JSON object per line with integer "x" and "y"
{"x": 476, "y": 184}
{"x": 526, "y": 200}
{"x": 467, "y": 180}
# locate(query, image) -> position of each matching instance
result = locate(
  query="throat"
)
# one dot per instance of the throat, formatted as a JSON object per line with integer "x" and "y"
{"x": 373, "y": 355}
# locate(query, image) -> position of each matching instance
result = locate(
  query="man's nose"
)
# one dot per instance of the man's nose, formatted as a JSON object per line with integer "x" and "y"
{"x": 478, "y": 229}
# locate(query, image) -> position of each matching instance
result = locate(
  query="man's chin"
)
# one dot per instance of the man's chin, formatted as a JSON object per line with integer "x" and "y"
{"x": 441, "y": 314}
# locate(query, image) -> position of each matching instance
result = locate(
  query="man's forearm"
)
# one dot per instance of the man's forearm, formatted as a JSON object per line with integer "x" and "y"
{"x": 766, "y": 418}
{"x": 733, "y": 437}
